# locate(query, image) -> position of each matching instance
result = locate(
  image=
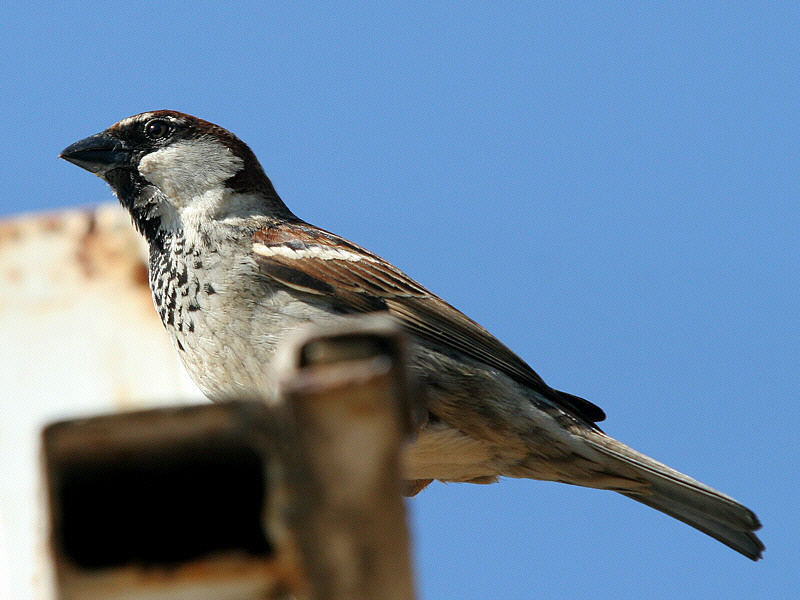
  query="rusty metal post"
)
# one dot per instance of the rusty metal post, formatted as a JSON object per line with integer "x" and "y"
{"x": 162, "y": 504}
{"x": 244, "y": 500}
{"x": 345, "y": 391}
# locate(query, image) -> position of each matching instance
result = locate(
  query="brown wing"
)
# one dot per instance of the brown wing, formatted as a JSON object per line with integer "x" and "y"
{"x": 365, "y": 282}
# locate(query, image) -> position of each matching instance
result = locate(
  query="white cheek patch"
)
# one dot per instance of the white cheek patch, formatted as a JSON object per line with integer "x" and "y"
{"x": 188, "y": 169}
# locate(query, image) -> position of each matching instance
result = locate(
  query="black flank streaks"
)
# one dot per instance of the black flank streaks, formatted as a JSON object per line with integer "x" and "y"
{"x": 183, "y": 278}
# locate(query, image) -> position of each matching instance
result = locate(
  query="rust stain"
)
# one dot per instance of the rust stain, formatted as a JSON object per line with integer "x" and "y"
{"x": 51, "y": 222}
{"x": 85, "y": 255}
{"x": 140, "y": 276}
{"x": 9, "y": 232}
{"x": 273, "y": 578}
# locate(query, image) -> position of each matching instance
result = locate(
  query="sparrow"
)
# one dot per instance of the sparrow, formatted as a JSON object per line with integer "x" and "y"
{"x": 233, "y": 271}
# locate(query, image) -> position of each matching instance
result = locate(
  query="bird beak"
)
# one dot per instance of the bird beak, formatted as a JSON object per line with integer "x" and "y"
{"x": 98, "y": 154}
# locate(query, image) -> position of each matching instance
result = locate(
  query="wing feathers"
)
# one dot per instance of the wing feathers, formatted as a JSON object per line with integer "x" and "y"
{"x": 314, "y": 261}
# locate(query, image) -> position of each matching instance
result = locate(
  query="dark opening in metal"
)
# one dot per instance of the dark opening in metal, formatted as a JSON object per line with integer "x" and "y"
{"x": 161, "y": 505}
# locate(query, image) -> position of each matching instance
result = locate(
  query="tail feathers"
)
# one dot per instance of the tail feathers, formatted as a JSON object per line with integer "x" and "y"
{"x": 686, "y": 499}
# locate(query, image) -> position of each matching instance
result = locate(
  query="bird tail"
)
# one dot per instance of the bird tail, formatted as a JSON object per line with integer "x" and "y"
{"x": 685, "y": 499}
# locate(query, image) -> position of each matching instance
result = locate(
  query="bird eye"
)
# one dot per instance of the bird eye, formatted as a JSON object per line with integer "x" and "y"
{"x": 157, "y": 129}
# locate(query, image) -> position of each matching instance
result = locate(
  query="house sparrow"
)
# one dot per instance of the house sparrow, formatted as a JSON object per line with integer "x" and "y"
{"x": 233, "y": 271}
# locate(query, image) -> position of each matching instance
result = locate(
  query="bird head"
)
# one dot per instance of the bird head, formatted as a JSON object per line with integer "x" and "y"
{"x": 166, "y": 166}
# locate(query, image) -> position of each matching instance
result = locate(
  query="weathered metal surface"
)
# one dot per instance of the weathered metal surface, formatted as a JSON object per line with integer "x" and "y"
{"x": 78, "y": 335}
{"x": 162, "y": 504}
{"x": 347, "y": 413}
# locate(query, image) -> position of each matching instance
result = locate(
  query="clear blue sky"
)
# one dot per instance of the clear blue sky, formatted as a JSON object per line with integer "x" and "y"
{"x": 612, "y": 190}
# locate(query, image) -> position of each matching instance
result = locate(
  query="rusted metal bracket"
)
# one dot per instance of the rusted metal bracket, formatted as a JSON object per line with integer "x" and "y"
{"x": 247, "y": 499}
{"x": 346, "y": 392}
